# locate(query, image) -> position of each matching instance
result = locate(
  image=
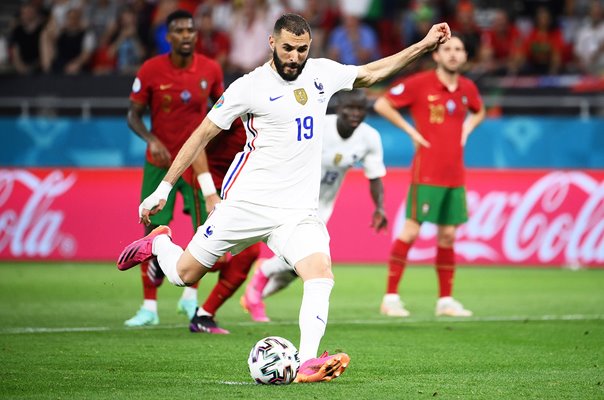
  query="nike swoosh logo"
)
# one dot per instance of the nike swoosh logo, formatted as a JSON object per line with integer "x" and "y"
{"x": 275, "y": 98}
{"x": 164, "y": 87}
{"x": 433, "y": 97}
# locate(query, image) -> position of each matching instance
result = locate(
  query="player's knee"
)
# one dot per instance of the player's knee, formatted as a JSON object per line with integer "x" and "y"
{"x": 189, "y": 275}
{"x": 317, "y": 265}
{"x": 446, "y": 239}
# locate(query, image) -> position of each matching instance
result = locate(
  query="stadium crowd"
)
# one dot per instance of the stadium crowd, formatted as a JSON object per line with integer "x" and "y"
{"x": 503, "y": 38}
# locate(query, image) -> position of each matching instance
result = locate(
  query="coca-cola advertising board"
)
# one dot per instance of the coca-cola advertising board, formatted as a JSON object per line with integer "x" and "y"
{"x": 517, "y": 217}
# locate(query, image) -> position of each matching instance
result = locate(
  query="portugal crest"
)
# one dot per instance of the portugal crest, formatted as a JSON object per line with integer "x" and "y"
{"x": 300, "y": 95}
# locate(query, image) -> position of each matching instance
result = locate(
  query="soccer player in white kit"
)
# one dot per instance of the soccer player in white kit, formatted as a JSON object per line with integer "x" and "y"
{"x": 347, "y": 141}
{"x": 271, "y": 191}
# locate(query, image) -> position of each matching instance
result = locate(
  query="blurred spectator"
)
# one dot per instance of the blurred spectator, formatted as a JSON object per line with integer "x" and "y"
{"x": 322, "y": 18}
{"x": 589, "y": 43}
{"x": 383, "y": 16}
{"x": 222, "y": 13}
{"x": 4, "y": 53}
{"x": 125, "y": 45}
{"x": 24, "y": 42}
{"x": 158, "y": 25}
{"x": 353, "y": 42}
{"x": 543, "y": 49}
{"x": 143, "y": 10}
{"x": 252, "y": 25}
{"x": 357, "y": 8}
{"x": 499, "y": 45}
{"x": 72, "y": 46}
{"x": 415, "y": 24}
{"x": 59, "y": 10}
{"x": 42, "y": 8}
{"x": 211, "y": 41}
{"x": 100, "y": 16}
{"x": 465, "y": 27}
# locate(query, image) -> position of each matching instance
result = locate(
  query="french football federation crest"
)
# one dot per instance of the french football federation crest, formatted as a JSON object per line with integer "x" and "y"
{"x": 301, "y": 96}
{"x": 337, "y": 159}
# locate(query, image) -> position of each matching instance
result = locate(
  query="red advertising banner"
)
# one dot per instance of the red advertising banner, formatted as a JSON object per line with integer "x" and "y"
{"x": 530, "y": 217}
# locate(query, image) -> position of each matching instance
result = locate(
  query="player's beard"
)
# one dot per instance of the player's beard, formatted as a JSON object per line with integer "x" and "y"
{"x": 280, "y": 67}
{"x": 184, "y": 53}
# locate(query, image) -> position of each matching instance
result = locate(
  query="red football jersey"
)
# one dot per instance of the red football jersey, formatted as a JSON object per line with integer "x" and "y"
{"x": 438, "y": 115}
{"x": 222, "y": 150}
{"x": 178, "y": 97}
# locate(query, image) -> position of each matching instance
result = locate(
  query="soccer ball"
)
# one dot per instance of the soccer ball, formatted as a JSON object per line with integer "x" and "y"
{"x": 274, "y": 361}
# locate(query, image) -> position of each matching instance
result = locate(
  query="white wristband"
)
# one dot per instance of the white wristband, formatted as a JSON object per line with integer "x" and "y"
{"x": 206, "y": 183}
{"x": 163, "y": 189}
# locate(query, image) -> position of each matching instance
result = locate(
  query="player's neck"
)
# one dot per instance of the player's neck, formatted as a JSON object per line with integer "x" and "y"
{"x": 447, "y": 78}
{"x": 180, "y": 61}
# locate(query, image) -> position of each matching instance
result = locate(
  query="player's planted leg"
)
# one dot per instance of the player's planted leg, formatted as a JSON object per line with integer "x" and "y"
{"x": 315, "y": 270}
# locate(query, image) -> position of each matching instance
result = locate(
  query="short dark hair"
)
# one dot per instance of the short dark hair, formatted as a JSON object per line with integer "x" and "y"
{"x": 344, "y": 96}
{"x": 293, "y": 23}
{"x": 178, "y": 14}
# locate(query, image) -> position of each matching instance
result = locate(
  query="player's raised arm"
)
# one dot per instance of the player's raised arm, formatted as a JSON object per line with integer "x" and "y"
{"x": 385, "y": 67}
{"x": 196, "y": 142}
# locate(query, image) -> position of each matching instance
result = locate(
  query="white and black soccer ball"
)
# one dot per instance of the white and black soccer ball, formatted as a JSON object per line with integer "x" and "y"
{"x": 274, "y": 361}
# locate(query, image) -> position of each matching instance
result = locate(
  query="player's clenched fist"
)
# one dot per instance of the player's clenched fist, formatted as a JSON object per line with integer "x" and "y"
{"x": 438, "y": 34}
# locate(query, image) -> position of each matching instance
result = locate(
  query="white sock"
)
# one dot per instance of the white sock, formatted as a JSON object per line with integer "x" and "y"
{"x": 277, "y": 282}
{"x": 313, "y": 316}
{"x": 150, "y": 305}
{"x": 201, "y": 312}
{"x": 168, "y": 254}
{"x": 274, "y": 265}
{"x": 189, "y": 293}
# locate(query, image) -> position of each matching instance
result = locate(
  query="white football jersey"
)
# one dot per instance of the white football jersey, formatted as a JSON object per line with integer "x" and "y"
{"x": 280, "y": 165}
{"x": 339, "y": 155}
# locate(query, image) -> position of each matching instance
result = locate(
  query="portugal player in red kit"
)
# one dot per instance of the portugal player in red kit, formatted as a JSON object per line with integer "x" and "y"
{"x": 446, "y": 107}
{"x": 177, "y": 88}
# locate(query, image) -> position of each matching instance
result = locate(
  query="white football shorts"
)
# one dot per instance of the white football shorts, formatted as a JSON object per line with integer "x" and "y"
{"x": 291, "y": 234}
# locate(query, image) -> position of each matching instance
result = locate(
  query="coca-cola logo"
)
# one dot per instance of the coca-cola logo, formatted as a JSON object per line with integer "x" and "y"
{"x": 559, "y": 218}
{"x": 32, "y": 228}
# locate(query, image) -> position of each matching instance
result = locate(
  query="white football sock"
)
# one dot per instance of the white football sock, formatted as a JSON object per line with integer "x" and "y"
{"x": 313, "y": 316}
{"x": 274, "y": 265}
{"x": 189, "y": 293}
{"x": 150, "y": 305}
{"x": 168, "y": 254}
{"x": 201, "y": 312}
{"x": 277, "y": 282}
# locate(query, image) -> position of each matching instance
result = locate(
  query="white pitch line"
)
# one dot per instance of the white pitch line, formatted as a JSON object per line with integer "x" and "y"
{"x": 389, "y": 321}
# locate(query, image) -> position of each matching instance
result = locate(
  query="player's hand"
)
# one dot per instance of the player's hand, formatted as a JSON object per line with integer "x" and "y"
{"x": 438, "y": 34}
{"x": 160, "y": 154}
{"x": 418, "y": 140}
{"x": 464, "y": 135}
{"x": 211, "y": 202}
{"x": 154, "y": 203}
{"x": 379, "y": 221}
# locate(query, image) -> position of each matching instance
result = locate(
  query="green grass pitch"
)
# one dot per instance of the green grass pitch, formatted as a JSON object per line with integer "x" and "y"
{"x": 536, "y": 334}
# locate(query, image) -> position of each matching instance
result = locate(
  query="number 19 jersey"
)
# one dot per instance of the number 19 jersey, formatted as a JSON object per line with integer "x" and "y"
{"x": 280, "y": 165}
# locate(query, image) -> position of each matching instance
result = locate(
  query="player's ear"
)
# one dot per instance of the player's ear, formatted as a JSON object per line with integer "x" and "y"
{"x": 271, "y": 43}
